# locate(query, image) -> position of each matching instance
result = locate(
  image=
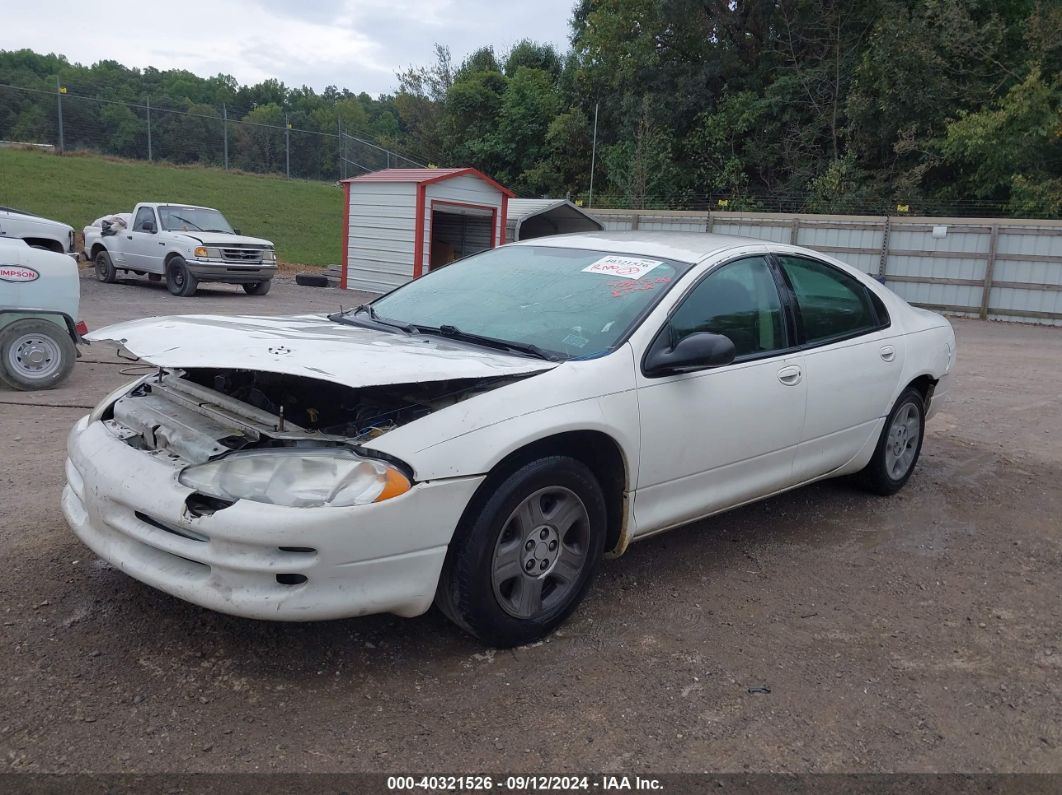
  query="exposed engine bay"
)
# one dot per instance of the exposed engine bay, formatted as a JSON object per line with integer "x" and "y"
{"x": 197, "y": 414}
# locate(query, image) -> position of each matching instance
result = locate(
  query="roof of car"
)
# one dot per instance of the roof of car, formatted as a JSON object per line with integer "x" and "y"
{"x": 681, "y": 246}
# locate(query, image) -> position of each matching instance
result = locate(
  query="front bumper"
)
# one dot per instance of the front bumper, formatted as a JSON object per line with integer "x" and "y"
{"x": 230, "y": 273}
{"x": 249, "y": 559}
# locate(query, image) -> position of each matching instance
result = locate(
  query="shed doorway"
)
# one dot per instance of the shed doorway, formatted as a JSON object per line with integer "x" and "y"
{"x": 458, "y": 231}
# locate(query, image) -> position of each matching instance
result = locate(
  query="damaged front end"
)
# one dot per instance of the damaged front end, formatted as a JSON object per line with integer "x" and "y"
{"x": 277, "y": 438}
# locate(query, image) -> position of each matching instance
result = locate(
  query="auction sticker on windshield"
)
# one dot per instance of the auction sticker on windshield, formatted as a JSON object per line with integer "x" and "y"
{"x": 628, "y": 267}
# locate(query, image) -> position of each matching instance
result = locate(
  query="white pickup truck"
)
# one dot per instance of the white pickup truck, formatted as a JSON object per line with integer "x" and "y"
{"x": 36, "y": 231}
{"x": 182, "y": 243}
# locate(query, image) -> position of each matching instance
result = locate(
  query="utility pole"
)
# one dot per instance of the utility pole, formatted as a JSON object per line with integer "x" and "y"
{"x": 342, "y": 165}
{"x": 225, "y": 131}
{"x": 148, "y": 103}
{"x": 593, "y": 159}
{"x": 59, "y": 90}
{"x": 287, "y": 146}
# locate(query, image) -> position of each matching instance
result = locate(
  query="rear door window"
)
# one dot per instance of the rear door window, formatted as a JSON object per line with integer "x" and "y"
{"x": 831, "y": 304}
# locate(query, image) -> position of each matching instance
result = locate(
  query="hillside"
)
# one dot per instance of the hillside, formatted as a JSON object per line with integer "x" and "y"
{"x": 302, "y": 218}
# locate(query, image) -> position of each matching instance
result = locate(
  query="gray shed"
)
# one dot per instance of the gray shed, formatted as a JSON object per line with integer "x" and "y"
{"x": 528, "y": 218}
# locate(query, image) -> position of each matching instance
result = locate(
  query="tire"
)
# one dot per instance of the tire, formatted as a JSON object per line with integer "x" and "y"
{"x": 179, "y": 280}
{"x": 556, "y": 506}
{"x": 897, "y": 451}
{"x": 257, "y": 288}
{"x": 311, "y": 280}
{"x": 105, "y": 270}
{"x": 35, "y": 354}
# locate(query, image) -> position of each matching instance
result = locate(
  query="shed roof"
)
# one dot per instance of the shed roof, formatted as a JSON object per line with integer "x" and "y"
{"x": 427, "y": 175}
{"x": 564, "y": 216}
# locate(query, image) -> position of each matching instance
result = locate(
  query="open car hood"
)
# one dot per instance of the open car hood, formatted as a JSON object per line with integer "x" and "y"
{"x": 310, "y": 346}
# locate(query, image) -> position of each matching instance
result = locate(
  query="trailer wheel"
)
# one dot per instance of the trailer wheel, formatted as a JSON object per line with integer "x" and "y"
{"x": 35, "y": 354}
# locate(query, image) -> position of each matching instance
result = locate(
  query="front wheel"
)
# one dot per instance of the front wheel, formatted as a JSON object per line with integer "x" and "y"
{"x": 257, "y": 288}
{"x": 522, "y": 563}
{"x": 179, "y": 280}
{"x": 105, "y": 270}
{"x": 898, "y": 447}
{"x": 35, "y": 354}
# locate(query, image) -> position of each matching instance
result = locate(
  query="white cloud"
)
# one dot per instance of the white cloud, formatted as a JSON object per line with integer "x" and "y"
{"x": 355, "y": 44}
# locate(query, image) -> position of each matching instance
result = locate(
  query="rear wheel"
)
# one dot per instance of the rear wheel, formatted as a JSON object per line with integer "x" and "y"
{"x": 35, "y": 354}
{"x": 520, "y": 565}
{"x": 179, "y": 280}
{"x": 257, "y": 288}
{"x": 898, "y": 447}
{"x": 105, "y": 270}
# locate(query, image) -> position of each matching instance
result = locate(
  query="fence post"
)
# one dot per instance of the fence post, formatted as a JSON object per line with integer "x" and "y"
{"x": 635, "y": 220}
{"x": 794, "y": 230}
{"x": 148, "y": 103}
{"x": 710, "y": 223}
{"x": 884, "y": 250}
{"x": 990, "y": 267}
{"x": 287, "y": 147}
{"x": 339, "y": 148}
{"x": 59, "y": 104}
{"x": 225, "y": 131}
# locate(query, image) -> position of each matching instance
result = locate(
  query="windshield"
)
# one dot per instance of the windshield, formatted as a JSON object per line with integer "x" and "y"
{"x": 193, "y": 219}
{"x": 571, "y": 302}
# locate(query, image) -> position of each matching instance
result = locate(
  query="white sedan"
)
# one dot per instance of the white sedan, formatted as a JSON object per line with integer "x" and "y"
{"x": 480, "y": 437}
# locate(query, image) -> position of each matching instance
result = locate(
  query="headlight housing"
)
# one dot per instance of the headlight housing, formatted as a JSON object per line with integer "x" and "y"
{"x": 269, "y": 255}
{"x": 205, "y": 252}
{"x": 298, "y": 477}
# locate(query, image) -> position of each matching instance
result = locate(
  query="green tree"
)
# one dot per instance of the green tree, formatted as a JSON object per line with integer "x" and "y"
{"x": 1012, "y": 150}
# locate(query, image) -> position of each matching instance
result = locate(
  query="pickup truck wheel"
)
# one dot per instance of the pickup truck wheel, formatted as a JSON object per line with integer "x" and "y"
{"x": 179, "y": 280}
{"x": 257, "y": 288}
{"x": 105, "y": 270}
{"x": 521, "y": 561}
{"x": 35, "y": 354}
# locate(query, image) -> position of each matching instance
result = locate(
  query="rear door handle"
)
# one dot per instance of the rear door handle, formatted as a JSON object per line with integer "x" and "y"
{"x": 888, "y": 353}
{"x": 790, "y": 376}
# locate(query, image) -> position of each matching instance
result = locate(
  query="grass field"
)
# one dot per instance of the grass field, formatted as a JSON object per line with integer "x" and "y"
{"x": 303, "y": 219}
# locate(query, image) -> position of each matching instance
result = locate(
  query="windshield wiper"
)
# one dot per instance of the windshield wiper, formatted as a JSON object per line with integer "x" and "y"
{"x": 341, "y": 317}
{"x": 453, "y": 332}
{"x": 180, "y": 218}
{"x": 222, "y": 231}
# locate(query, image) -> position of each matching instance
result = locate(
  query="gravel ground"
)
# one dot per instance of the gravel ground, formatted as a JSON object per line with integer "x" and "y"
{"x": 917, "y": 633}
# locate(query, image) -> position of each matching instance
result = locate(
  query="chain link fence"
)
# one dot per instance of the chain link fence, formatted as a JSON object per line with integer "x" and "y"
{"x": 169, "y": 131}
{"x": 781, "y": 202}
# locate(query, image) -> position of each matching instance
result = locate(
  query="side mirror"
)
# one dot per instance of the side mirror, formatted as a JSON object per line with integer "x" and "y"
{"x": 694, "y": 352}
{"x": 148, "y": 226}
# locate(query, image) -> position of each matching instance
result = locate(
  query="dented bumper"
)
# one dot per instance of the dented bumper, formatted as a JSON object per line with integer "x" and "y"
{"x": 252, "y": 559}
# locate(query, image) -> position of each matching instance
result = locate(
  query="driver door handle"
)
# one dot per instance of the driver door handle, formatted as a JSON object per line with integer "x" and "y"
{"x": 790, "y": 376}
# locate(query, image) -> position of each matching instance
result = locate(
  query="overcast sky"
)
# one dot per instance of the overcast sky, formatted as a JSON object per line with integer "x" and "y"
{"x": 355, "y": 44}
